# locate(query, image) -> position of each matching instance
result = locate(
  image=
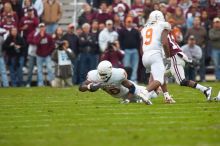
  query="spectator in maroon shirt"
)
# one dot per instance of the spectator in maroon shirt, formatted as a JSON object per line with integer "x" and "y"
{"x": 103, "y": 13}
{"x": 172, "y": 6}
{"x": 213, "y": 9}
{"x": 7, "y": 10}
{"x": 8, "y": 22}
{"x": 45, "y": 46}
{"x": 28, "y": 23}
{"x": 138, "y": 7}
{"x": 114, "y": 54}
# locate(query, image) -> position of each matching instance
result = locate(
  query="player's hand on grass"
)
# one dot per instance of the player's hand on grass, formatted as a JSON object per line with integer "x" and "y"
{"x": 94, "y": 87}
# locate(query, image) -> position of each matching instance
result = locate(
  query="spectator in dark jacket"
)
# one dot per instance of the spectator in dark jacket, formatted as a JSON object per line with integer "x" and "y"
{"x": 129, "y": 39}
{"x": 73, "y": 41}
{"x": 45, "y": 46}
{"x": 14, "y": 46}
{"x": 87, "y": 56}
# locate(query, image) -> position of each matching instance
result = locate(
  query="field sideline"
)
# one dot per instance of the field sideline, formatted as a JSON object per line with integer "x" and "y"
{"x": 66, "y": 117}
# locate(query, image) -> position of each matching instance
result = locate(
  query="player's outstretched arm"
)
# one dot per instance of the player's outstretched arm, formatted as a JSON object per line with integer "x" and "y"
{"x": 89, "y": 86}
{"x": 126, "y": 83}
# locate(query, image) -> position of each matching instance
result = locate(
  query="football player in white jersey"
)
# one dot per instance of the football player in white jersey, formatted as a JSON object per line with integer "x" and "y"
{"x": 114, "y": 81}
{"x": 154, "y": 37}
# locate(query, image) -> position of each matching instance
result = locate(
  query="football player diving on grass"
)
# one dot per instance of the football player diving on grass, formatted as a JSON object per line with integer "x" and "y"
{"x": 114, "y": 81}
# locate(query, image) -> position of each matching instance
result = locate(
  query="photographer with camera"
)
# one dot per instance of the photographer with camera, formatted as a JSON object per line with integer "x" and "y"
{"x": 114, "y": 54}
{"x": 194, "y": 53}
{"x": 63, "y": 57}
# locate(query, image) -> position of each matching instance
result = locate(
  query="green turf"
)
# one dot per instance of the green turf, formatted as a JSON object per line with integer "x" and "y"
{"x": 66, "y": 117}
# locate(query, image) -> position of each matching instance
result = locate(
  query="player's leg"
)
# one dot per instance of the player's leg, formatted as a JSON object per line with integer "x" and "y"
{"x": 157, "y": 71}
{"x": 167, "y": 97}
{"x": 177, "y": 71}
{"x": 155, "y": 63}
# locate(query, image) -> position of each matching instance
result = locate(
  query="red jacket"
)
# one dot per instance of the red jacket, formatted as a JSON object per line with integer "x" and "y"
{"x": 32, "y": 25}
{"x": 8, "y": 25}
{"x": 45, "y": 45}
{"x": 115, "y": 57}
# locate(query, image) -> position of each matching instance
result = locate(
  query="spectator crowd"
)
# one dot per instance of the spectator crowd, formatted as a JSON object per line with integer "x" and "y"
{"x": 106, "y": 30}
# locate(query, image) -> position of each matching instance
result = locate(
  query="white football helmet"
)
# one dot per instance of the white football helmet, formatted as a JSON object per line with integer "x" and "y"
{"x": 104, "y": 70}
{"x": 156, "y": 16}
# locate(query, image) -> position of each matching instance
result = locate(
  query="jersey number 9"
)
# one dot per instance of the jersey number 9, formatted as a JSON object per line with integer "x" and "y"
{"x": 148, "y": 36}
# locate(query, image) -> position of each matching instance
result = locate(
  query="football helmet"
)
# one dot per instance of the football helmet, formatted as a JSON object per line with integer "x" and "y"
{"x": 104, "y": 70}
{"x": 156, "y": 16}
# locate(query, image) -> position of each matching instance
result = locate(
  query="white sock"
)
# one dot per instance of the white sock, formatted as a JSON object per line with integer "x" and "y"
{"x": 153, "y": 94}
{"x": 200, "y": 87}
{"x": 166, "y": 94}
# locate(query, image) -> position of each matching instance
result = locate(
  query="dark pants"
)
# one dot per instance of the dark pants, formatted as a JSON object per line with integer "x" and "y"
{"x": 16, "y": 73}
{"x": 190, "y": 72}
{"x": 87, "y": 62}
{"x": 75, "y": 77}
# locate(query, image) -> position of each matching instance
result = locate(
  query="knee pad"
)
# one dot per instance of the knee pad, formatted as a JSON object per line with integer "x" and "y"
{"x": 184, "y": 82}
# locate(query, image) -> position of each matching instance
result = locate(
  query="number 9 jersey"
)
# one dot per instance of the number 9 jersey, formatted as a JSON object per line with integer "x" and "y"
{"x": 151, "y": 36}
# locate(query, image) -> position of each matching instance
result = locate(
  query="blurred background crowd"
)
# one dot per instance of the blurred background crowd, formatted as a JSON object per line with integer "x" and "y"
{"x": 32, "y": 41}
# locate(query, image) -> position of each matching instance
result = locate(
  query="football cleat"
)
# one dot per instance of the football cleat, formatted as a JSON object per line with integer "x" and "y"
{"x": 217, "y": 98}
{"x": 208, "y": 93}
{"x": 145, "y": 97}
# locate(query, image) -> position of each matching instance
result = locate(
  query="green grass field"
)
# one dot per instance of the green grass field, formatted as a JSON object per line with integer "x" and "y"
{"x": 66, "y": 117}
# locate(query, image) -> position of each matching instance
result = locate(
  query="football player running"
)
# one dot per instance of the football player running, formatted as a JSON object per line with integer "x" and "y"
{"x": 154, "y": 37}
{"x": 114, "y": 81}
{"x": 178, "y": 59}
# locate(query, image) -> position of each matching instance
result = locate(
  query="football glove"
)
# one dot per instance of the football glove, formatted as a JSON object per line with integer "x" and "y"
{"x": 93, "y": 86}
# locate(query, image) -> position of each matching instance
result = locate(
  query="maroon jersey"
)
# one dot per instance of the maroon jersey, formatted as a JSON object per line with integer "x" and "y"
{"x": 174, "y": 48}
{"x": 8, "y": 25}
{"x": 139, "y": 9}
{"x": 32, "y": 24}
